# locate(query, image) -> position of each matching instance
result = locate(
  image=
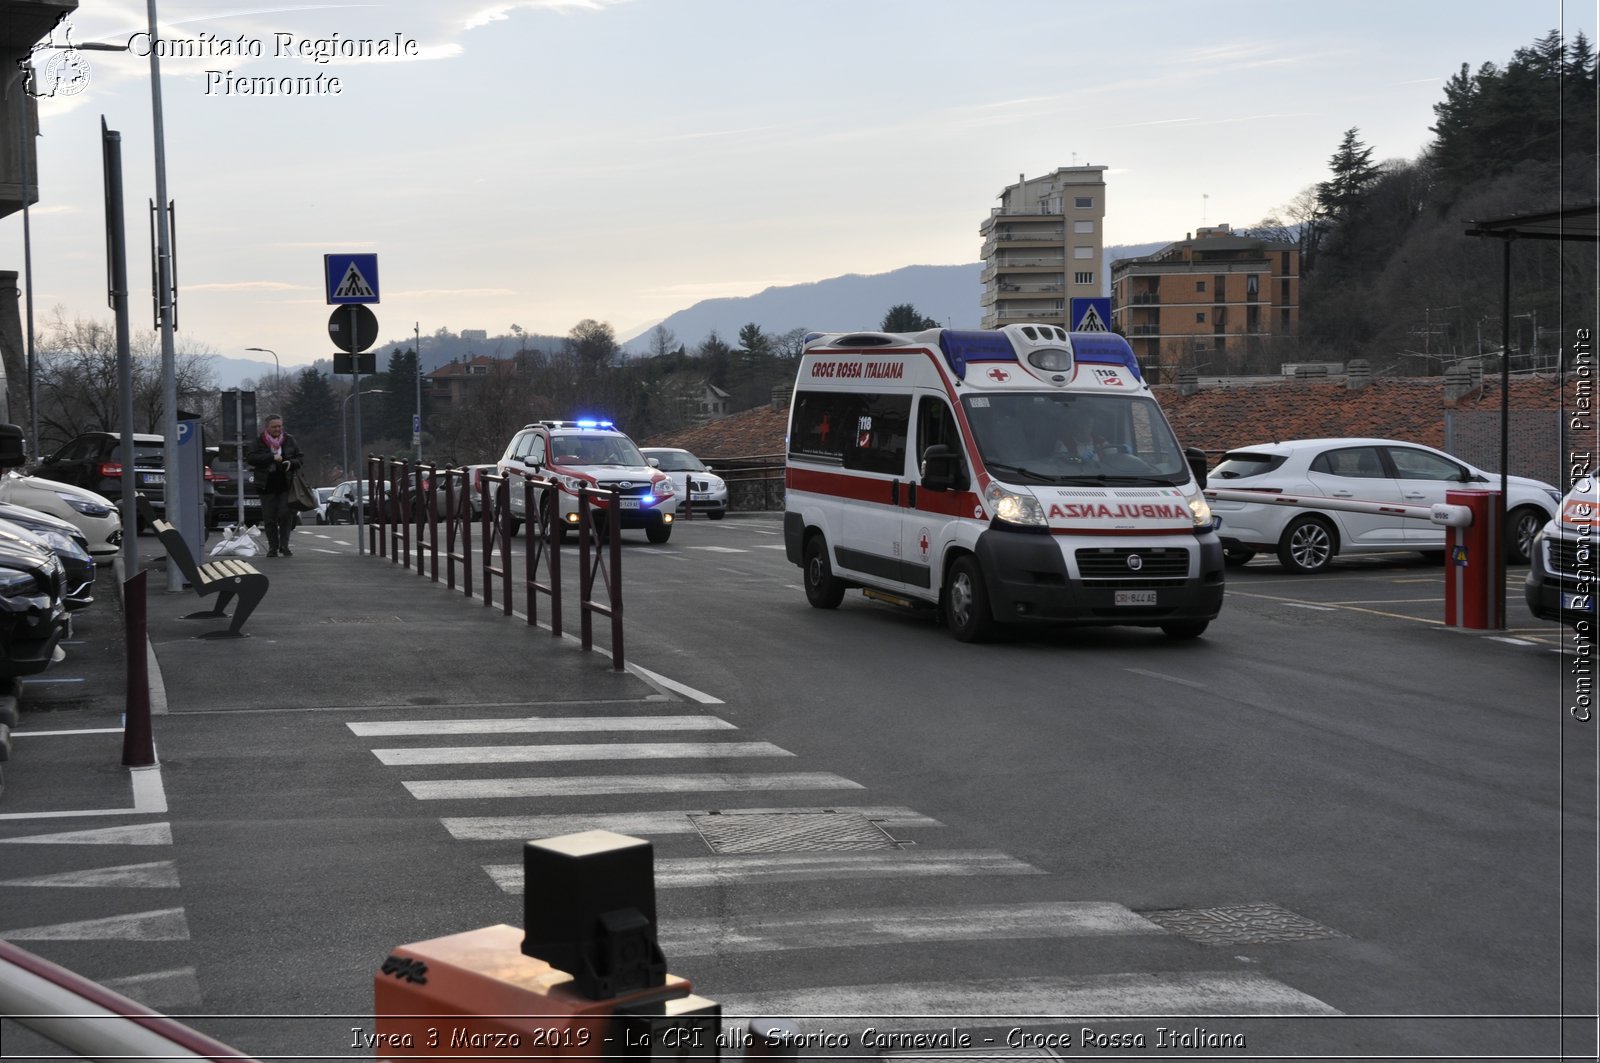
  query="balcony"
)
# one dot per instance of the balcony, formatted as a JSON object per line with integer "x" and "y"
{"x": 1147, "y": 330}
{"x": 1146, "y": 299}
{"x": 1032, "y": 263}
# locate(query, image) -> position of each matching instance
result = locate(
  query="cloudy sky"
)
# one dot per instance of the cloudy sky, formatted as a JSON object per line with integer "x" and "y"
{"x": 537, "y": 162}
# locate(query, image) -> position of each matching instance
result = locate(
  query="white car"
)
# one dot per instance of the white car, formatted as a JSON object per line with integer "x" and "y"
{"x": 1307, "y": 537}
{"x": 697, "y": 486}
{"x": 1560, "y": 584}
{"x": 93, "y": 514}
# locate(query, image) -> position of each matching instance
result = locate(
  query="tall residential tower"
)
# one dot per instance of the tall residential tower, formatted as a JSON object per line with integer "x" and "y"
{"x": 1042, "y": 246}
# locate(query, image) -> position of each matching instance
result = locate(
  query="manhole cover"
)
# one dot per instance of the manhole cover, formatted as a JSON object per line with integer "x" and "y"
{"x": 363, "y": 620}
{"x": 1240, "y": 924}
{"x": 790, "y": 832}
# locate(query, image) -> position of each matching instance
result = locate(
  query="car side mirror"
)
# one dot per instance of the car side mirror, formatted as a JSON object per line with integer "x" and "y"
{"x": 708, "y": 469}
{"x": 654, "y": 463}
{"x": 942, "y": 469}
{"x": 1197, "y": 463}
{"x": 13, "y": 450}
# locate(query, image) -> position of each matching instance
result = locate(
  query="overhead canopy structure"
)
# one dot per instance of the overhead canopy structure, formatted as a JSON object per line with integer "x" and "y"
{"x": 1568, "y": 223}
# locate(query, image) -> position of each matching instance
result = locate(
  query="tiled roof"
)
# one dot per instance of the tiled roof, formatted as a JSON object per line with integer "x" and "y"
{"x": 1218, "y": 418}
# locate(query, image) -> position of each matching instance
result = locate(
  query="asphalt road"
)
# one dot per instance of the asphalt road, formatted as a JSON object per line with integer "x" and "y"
{"x": 1332, "y": 825}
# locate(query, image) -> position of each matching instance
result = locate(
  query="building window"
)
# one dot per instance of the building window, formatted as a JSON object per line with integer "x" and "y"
{"x": 1083, "y": 278}
{"x": 1199, "y": 286}
{"x": 1252, "y": 287}
{"x": 1083, "y": 252}
{"x": 1083, "y": 202}
{"x": 1200, "y": 318}
{"x": 1083, "y": 226}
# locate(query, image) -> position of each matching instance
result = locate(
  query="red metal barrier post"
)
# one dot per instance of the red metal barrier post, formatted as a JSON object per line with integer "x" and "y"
{"x": 1474, "y": 583}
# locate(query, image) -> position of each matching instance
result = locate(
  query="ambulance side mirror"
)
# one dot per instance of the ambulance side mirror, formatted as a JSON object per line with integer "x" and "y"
{"x": 942, "y": 469}
{"x": 1197, "y": 463}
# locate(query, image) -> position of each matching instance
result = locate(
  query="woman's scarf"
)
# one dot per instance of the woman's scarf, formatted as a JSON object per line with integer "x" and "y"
{"x": 274, "y": 443}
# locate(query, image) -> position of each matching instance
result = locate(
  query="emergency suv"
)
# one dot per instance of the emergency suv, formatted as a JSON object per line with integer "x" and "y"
{"x": 595, "y": 454}
{"x": 1020, "y": 476}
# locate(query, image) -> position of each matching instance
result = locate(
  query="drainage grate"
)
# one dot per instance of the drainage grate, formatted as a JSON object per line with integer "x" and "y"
{"x": 790, "y": 832}
{"x": 1240, "y": 924}
{"x": 362, "y": 620}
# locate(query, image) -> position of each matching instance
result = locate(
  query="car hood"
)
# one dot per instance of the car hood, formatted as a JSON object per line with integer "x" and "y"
{"x": 56, "y": 487}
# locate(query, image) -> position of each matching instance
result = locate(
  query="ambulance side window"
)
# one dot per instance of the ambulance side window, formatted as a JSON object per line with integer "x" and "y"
{"x": 877, "y": 427}
{"x": 936, "y": 424}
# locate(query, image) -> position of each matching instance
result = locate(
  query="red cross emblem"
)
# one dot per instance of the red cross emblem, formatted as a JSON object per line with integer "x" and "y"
{"x": 998, "y": 375}
{"x": 922, "y": 541}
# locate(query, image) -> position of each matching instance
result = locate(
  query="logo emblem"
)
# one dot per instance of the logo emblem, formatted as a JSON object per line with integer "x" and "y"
{"x": 1135, "y": 562}
{"x": 625, "y": 484}
{"x": 998, "y": 375}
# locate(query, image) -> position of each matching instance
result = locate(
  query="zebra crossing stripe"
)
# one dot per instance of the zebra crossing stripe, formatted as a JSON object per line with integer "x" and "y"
{"x": 160, "y": 874}
{"x": 680, "y": 873}
{"x": 1187, "y": 993}
{"x": 565, "y": 754}
{"x": 502, "y": 828}
{"x": 589, "y": 785}
{"x": 164, "y": 990}
{"x": 167, "y": 924}
{"x": 142, "y": 834}
{"x": 538, "y": 724}
{"x": 885, "y": 926}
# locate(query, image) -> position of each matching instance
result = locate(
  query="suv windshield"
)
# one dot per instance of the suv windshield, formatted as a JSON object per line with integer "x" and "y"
{"x": 1056, "y": 438}
{"x": 589, "y": 448}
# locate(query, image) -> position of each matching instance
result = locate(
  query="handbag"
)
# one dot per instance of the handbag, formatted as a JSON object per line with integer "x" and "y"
{"x": 300, "y": 492}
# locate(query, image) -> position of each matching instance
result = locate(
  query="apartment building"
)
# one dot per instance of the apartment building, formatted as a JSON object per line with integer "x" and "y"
{"x": 1042, "y": 246}
{"x": 1209, "y": 298}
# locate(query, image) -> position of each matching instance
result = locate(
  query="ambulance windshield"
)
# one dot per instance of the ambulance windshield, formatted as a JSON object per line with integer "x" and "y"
{"x": 1056, "y": 438}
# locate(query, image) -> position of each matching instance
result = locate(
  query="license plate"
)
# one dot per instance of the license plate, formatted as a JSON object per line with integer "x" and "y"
{"x": 252, "y": 503}
{"x": 1583, "y": 603}
{"x": 1134, "y": 597}
{"x": 153, "y": 477}
{"x": 630, "y": 503}
{"x": 700, "y": 498}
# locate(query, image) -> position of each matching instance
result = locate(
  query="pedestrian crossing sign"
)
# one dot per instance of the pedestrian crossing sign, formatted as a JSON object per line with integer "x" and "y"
{"x": 1091, "y": 315}
{"x": 351, "y": 278}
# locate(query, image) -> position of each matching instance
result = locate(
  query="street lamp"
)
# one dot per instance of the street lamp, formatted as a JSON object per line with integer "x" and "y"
{"x": 278, "y": 369}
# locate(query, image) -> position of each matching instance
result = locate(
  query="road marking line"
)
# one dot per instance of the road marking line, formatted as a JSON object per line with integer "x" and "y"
{"x": 589, "y": 785}
{"x": 167, "y": 924}
{"x": 720, "y": 549}
{"x": 45, "y": 682}
{"x": 1167, "y": 678}
{"x": 1347, "y": 608}
{"x": 884, "y": 926}
{"x": 1317, "y": 608}
{"x": 159, "y": 874}
{"x": 149, "y": 797}
{"x": 1514, "y": 642}
{"x": 1388, "y": 601}
{"x": 140, "y": 834}
{"x": 173, "y": 990}
{"x": 566, "y": 754}
{"x": 532, "y": 724}
{"x": 501, "y": 828}
{"x": 682, "y": 873}
{"x": 1044, "y": 999}
{"x": 57, "y": 734}
{"x": 671, "y": 686}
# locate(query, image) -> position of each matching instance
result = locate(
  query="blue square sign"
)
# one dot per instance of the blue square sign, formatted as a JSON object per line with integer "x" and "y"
{"x": 351, "y": 278}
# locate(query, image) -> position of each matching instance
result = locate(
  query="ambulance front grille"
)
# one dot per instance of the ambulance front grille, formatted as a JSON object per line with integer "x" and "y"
{"x": 1117, "y": 563}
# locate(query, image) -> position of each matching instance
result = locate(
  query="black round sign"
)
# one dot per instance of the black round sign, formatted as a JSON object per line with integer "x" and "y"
{"x": 353, "y": 328}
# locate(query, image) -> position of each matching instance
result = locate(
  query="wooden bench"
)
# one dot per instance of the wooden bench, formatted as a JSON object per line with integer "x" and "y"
{"x": 226, "y": 577}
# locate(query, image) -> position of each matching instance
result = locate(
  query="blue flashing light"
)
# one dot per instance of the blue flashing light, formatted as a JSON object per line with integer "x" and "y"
{"x": 592, "y": 423}
{"x": 1105, "y": 348}
{"x": 962, "y": 347}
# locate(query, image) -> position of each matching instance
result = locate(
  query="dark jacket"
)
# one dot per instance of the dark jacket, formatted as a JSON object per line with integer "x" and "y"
{"x": 272, "y": 477}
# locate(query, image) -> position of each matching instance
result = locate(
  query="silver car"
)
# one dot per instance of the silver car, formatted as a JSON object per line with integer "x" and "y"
{"x": 697, "y": 486}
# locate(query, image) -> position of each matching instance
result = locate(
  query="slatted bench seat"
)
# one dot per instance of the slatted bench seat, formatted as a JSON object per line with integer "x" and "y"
{"x": 226, "y": 577}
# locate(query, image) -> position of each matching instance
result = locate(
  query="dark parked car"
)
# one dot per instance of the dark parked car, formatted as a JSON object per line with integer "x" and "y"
{"x": 63, "y": 539}
{"x": 94, "y": 461}
{"x": 224, "y": 508}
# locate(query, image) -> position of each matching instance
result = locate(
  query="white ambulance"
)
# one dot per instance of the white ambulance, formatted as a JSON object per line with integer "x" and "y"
{"x": 1020, "y": 476}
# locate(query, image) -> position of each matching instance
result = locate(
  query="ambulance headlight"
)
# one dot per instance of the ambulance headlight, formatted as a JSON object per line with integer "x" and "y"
{"x": 1016, "y": 507}
{"x": 1200, "y": 510}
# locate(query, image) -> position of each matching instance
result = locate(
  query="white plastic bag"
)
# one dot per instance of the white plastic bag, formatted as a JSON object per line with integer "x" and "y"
{"x": 237, "y": 543}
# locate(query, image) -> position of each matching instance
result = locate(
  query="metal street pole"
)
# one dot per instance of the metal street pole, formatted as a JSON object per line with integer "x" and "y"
{"x": 175, "y": 488}
{"x": 418, "y": 328}
{"x": 344, "y": 438}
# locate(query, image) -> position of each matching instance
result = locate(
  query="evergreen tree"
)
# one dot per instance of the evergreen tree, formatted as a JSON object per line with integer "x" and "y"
{"x": 312, "y": 415}
{"x": 1353, "y": 175}
{"x": 903, "y": 317}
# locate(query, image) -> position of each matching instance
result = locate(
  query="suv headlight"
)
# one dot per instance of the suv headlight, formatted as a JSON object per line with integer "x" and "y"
{"x": 1016, "y": 507}
{"x": 1200, "y": 511}
{"x": 663, "y": 488}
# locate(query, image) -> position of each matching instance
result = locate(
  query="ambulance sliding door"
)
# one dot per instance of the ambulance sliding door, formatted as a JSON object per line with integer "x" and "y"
{"x": 927, "y": 512}
{"x": 875, "y": 429}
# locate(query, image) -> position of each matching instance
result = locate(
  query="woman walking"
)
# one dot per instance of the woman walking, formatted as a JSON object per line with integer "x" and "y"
{"x": 274, "y": 456}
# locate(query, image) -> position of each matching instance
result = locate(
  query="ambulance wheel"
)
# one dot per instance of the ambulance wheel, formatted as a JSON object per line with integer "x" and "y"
{"x": 822, "y": 590}
{"x": 966, "y": 602}
{"x": 1308, "y": 545}
{"x": 1185, "y": 629}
